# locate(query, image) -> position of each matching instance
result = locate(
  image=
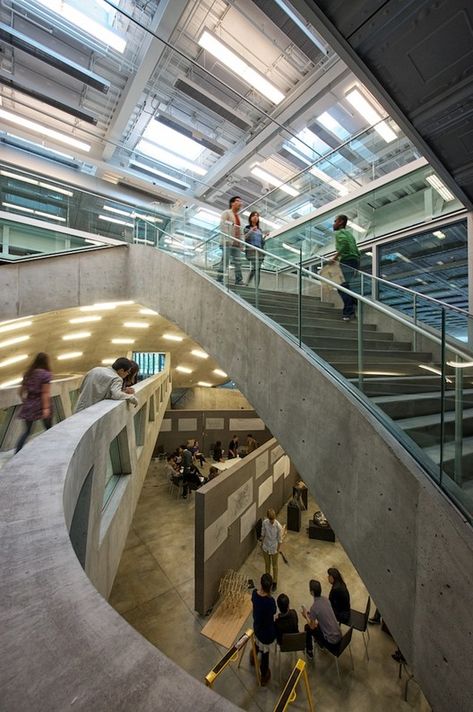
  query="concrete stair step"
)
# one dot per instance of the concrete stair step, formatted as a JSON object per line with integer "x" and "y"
{"x": 351, "y": 344}
{"x": 373, "y": 367}
{"x": 369, "y": 355}
{"x": 395, "y": 387}
{"x": 433, "y": 452}
{"x": 425, "y": 429}
{"x": 411, "y": 405}
{"x": 321, "y": 321}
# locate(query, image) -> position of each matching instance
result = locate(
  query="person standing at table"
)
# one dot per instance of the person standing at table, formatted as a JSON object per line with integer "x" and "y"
{"x": 254, "y": 239}
{"x": 230, "y": 227}
{"x": 233, "y": 447}
{"x": 348, "y": 255}
{"x": 271, "y": 538}
{"x": 264, "y": 610}
{"x": 35, "y": 392}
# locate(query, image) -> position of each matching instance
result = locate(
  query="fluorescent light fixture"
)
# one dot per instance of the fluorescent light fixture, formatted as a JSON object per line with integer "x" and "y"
{"x": 199, "y": 353}
{"x": 41, "y": 146}
{"x": 105, "y": 305}
{"x": 76, "y": 335}
{"x": 84, "y": 319}
{"x": 68, "y": 355}
{"x": 108, "y": 361}
{"x": 13, "y": 382}
{"x": 49, "y": 215}
{"x": 339, "y": 187}
{"x": 118, "y": 211}
{"x": 460, "y": 364}
{"x": 18, "y": 207}
{"x": 55, "y": 189}
{"x": 309, "y": 144}
{"x": 291, "y": 248}
{"x": 219, "y": 372}
{"x": 333, "y": 126}
{"x": 240, "y": 68}
{"x": 302, "y": 209}
{"x": 16, "y": 176}
{"x": 168, "y": 158}
{"x": 33, "y": 181}
{"x": 192, "y": 235}
{"x": 173, "y": 337}
{"x": 136, "y": 324}
{"x": 302, "y": 26}
{"x": 441, "y": 189}
{"x": 12, "y": 342}
{"x": 107, "y": 218}
{"x": 30, "y": 211}
{"x": 123, "y": 341}
{"x": 368, "y": 112}
{"x": 204, "y": 384}
{"x": 272, "y": 180}
{"x": 12, "y": 326}
{"x": 439, "y": 234}
{"x": 86, "y": 23}
{"x": 206, "y": 217}
{"x": 44, "y": 131}
{"x": 12, "y": 360}
{"x": 149, "y": 218}
{"x": 355, "y": 226}
{"x": 159, "y": 174}
{"x": 183, "y": 369}
{"x": 172, "y": 140}
{"x": 148, "y": 312}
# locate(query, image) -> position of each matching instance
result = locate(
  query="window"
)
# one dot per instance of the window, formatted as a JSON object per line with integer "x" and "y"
{"x": 118, "y": 464}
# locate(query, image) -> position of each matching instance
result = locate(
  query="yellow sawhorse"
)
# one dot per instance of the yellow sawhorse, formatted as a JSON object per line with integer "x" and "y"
{"x": 288, "y": 695}
{"x": 232, "y": 655}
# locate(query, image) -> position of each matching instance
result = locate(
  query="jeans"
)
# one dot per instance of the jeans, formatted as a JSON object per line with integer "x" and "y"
{"x": 316, "y": 633}
{"x": 348, "y": 265}
{"x": 233, "y": 255}
{"x": 255, "y": 270}
{"x": 28, "y": 425}
{"x": 271, "y": 559}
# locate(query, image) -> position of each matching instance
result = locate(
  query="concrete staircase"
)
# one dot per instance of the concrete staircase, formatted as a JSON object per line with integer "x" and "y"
{"x": 391, "y": 374}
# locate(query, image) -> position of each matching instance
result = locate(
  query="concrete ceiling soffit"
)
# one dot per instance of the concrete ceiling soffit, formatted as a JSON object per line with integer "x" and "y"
{"x": 164, "y": 23}
{"x": 303, "y": 97}
{"x": 416, "y": 59}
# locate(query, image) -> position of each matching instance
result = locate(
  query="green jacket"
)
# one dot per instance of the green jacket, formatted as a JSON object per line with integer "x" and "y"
{"x": 345, "y": 244}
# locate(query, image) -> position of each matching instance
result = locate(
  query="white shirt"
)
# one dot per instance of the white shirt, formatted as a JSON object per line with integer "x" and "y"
{"x": 101, "y": 383}
{"x": 271, "y": 535}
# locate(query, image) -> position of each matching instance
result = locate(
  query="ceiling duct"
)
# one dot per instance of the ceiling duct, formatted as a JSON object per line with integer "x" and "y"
{"x": 38, "y": 151}
{"x": 202, "y": 141}
{"x": 199, "y": 95}
{"x": 55, "y": 103}
{"x": 54, "y": 59}
{"x": 145, "y": 195}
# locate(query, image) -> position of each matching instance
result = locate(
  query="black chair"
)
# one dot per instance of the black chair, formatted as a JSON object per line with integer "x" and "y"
{"x": 343, "y": 645}
{"x": 359, "y": 621}
{"x": 291, "y": 643}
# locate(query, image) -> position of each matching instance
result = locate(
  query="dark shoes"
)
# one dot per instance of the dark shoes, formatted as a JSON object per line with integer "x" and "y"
{"x": 274, "y": 586}
{"x": 265, "y": 678}
{"x": 398, "y": 657}
{"x": 310, "y": 654}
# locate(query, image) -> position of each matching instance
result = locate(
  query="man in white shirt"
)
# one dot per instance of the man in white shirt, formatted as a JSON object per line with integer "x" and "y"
{"x": 230, "y": 228}
{"x": 105, "y": 382}
{"x": 271, "y": 537}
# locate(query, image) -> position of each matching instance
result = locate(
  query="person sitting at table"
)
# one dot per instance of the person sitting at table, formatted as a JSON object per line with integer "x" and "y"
{"x": 213, "y": 472}
{"x": 339, "y": 596}
{"x": 218, "y": 452}
{"x": 286, "y": 621}
{"x": 192, "y": 479}
{"x": 321, "y": 622}
{"x": 233, "y": 447}
{"x": 195, "y": 449}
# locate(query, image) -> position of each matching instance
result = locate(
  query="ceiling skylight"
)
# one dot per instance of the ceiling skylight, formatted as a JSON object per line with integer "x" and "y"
{"x": 310, "y": 145}
{"x": 297, "y": 20}
{"x": 240, "y": 68}
{"x": 272, "y": 180}
{"x": 168, "y": 158}
{"x": 86, "y": 22}
{"x": 368, "y": 112}
{"x": 159, "y": 174}
{"x": 172, "y": 140}
{"x": 333, "y": 126}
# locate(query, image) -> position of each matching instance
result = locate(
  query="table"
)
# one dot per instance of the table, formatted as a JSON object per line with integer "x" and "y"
{"x": 226, "y": 464}
{"x": 223, "y": 626}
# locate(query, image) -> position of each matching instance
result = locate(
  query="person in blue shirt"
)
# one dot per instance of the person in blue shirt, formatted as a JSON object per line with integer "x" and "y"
{"x": 254, "y": 238}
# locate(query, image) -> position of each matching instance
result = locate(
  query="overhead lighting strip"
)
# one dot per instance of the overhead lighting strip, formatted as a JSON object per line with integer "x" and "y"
{"x": 33, "y": 181}
{"x": 169, "y": 159}
{"x": 303, "y": 27}
{"x": 369, "y": 113}
{"x": 440, "y": 187}
{"x": 31, "y": 211}
{"x": 272, "y": 180}
{"x": 339, "y": 187}
{"x": 44, "y": 131}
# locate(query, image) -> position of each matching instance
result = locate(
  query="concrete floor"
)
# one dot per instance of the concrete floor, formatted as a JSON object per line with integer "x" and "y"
{"x": 154, "y": 592}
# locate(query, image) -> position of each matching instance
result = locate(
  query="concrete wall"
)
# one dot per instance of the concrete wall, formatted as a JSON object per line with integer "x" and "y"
{"x": 412, "y": 548}
{"x": 226, "y": 511}
{"x": 209, "y": 426}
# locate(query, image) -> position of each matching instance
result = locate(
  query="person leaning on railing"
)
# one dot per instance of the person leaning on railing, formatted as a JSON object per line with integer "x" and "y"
{"x": 104, "y": 382}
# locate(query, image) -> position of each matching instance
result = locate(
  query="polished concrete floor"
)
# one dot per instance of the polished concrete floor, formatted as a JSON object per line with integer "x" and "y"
{"x": 154, "y": 592}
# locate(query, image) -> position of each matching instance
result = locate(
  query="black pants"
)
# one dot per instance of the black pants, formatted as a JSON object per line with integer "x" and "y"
{"x": 264, "y": 667}
{"x": 28, "y": 425}
{"x": 348, "y": 266}
{"x": 316, "y": 633}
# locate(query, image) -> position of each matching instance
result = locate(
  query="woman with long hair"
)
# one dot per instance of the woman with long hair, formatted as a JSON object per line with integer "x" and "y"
{"x": 35, "y": 392}
{"x": 339, "y": 596}
{"x": 254, "y": 238}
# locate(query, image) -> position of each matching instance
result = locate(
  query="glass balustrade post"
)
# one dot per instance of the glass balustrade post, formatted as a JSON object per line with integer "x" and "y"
{"x": 458, "y": 473}
{"x": 360, "y": 344}
{"x": 299, "y": 301}
{"x": 414, "y": 315}
{"x": 257, "y": 278}
{"x": 442, "y": 394}
{"x": 362, "y": 285}
{"x": 225, "y": 264}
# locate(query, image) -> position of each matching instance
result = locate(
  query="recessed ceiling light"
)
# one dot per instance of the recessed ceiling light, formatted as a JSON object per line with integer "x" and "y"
{"x": 12, "y": 326}
{"x": 118, "y": 211}
{"x": 123, "y": 341}
{"x": 107, "y": 218}
{"x": 44, "y": 130}
{"x": 76, "y": 335}
{"x": 439, "y": 234}
{"x": 136, "y": 324}
{"x": 204, "y": 383}
{"x": 108, "y": 361}
{"x": 14, "y": 206}
{"x": 219, "y": 372}
{"x": 13, "y": 359}
{"x": 333, "y": 126}
{"x": 168, "y": 158}
{"x": 12, "y": 342}
{"x": 173, "y": 337}
{"x": 199, "y": 353}
{"x": 68, "y": 355}
{"x": 373, "y": 117}
{"x": 148, "y": 312}
{"x": 183, "y": 369}
{"x": 240, "y": 68}
{"x": 441, "y": 189}
{"x": 84, "y": 319}
{"x": 172, "y": 140}
{"x": 12, "y": 382}
{"x": 272, "y": 180}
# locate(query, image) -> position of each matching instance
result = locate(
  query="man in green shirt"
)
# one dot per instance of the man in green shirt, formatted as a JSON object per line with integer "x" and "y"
{"x": 349, "y": 257}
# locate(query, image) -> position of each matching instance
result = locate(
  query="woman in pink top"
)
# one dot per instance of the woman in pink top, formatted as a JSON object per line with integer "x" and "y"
{"x": 35, "y": 392}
